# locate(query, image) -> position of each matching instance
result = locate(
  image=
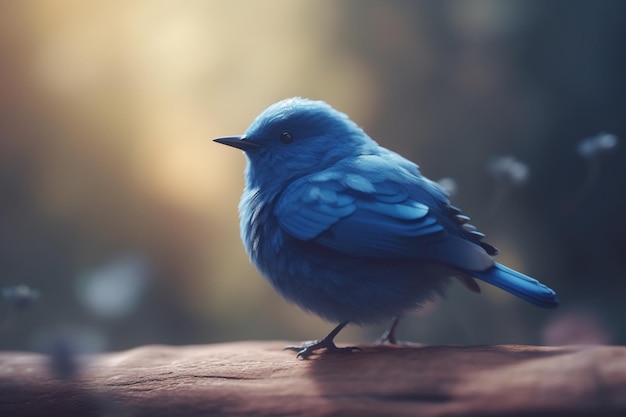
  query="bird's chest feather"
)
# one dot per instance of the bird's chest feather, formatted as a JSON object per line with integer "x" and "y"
{"x": 279, "y": 256}
{"x": 262, "y": 236}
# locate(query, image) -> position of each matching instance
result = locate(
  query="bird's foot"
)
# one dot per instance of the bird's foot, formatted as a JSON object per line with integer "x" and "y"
{"x": 387, "y": 338}
{"x": 308, "y": 348}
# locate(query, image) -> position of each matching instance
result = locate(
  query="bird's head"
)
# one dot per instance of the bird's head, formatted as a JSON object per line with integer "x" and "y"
{"x": 294, "y": 136}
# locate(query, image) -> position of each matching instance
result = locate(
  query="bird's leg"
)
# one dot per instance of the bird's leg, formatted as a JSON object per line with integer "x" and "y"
{"x": 389, "y": 337}
{"x": 307, "y": 348}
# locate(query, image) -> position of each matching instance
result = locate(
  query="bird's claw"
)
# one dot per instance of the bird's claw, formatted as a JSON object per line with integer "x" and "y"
{"x": 308, "y": 348}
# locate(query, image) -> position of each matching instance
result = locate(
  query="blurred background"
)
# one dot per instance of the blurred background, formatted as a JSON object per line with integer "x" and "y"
{"x": 118, "y": 214}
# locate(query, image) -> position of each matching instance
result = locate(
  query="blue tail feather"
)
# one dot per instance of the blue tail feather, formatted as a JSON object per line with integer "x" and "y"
{"x": 520, "y": 285}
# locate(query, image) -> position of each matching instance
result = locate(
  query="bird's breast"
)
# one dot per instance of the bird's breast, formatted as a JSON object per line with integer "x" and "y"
{"x": 260, "y": 232}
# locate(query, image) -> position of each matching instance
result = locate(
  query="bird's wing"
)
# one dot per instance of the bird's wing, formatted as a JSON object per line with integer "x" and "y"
{"x": 374, "y": 208}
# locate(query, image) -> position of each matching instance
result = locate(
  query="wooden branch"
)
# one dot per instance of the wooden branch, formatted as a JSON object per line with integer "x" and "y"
{"x": 260, "y": 379}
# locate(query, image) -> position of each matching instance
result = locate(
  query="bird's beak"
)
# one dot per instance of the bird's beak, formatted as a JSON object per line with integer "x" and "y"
{"x": 239, "y": 142}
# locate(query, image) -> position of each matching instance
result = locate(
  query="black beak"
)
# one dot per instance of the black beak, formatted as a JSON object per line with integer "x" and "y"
{"x": 238, "y": 142}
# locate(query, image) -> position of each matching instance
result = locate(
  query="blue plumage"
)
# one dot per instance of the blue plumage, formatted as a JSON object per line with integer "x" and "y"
{"x": 350, "y": 230}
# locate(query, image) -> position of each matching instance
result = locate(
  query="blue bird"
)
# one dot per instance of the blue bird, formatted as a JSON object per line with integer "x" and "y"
{"x": 352, "y": 231}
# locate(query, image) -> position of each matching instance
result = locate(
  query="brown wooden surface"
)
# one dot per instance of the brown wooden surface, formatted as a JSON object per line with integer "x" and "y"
{"x": 260, "y": 379}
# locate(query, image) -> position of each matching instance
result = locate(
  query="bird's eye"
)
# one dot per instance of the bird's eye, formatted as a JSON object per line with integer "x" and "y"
{"x": 286, "y": 137}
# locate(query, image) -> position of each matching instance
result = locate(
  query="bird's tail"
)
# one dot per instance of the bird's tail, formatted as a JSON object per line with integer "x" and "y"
{"x": 520, "y": 285}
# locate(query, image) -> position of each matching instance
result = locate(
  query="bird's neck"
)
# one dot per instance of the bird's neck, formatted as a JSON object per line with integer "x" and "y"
{"x": 263, "y": 183}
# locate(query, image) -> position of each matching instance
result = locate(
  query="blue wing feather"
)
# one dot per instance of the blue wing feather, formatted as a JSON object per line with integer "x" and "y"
{"x": 391, "y": 213}
{"x": 307, "y": 209}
